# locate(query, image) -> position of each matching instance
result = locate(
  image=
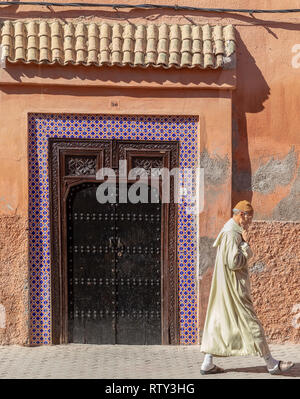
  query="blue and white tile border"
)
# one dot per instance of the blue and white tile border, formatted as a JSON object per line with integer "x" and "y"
{"x": 43, "y": 126}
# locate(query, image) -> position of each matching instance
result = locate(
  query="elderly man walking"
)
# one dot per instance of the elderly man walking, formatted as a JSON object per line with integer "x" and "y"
{"x": 231, "y": 326}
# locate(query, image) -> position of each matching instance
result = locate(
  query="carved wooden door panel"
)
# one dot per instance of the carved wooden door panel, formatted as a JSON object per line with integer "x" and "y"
{"x": 138, "y": 272}
{"x": 90, "y": 263}
{"x": 114, "y": 270}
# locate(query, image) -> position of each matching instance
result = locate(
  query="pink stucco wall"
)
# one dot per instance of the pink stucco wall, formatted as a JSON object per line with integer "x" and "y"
{"x": 249, "y": 129}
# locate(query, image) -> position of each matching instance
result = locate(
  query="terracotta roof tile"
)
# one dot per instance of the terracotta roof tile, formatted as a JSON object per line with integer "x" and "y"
{"x": 167, "y": 46}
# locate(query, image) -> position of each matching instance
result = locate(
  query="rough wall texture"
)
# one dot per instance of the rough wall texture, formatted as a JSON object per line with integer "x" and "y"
{"x": 274, "y": 172}
{"x": 275, "y": 278}
{"x": 13, "y": 280}
{"x": 289, "y": 207}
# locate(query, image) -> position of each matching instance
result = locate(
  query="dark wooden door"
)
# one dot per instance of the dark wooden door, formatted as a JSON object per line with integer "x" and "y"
{"x": 114, "y": 269}
{"x": 114, "y": 276}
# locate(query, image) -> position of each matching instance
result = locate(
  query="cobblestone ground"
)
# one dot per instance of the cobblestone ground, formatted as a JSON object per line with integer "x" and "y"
{"x": 74, "y": 361}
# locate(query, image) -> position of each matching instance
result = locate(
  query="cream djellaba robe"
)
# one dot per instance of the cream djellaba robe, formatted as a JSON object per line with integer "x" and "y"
{"x": 231, "y": 326}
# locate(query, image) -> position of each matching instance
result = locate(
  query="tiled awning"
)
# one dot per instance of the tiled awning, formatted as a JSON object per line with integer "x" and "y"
{"x": 167, "y": 46}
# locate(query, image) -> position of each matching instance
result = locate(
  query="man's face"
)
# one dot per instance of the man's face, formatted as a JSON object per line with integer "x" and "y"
{"x": 246, "y": 218}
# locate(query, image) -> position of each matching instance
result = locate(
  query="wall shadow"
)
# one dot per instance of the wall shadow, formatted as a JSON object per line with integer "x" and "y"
{"x": 251, "y": 93}
{"x": 126, "y": 75}
{"x": 128, "y": 15}
{"x": 249, "y": 97}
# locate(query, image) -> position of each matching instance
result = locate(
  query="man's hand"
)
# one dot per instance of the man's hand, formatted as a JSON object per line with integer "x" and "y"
{"x": 245, "y": 235}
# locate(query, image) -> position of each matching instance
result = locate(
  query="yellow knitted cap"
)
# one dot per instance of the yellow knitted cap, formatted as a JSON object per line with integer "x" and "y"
{"x": 244, "y": 206}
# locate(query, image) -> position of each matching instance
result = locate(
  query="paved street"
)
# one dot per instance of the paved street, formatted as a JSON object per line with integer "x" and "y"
{"x": 76, "y": 361}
